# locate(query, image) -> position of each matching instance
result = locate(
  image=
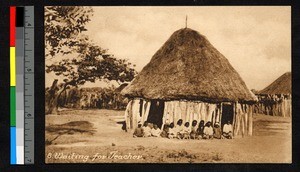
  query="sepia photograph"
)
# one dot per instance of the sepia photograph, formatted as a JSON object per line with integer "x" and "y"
{"x": 168, "y": 84}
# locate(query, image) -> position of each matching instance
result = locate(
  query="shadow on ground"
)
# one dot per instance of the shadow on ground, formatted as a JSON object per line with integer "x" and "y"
{"x": 69, "y": 128}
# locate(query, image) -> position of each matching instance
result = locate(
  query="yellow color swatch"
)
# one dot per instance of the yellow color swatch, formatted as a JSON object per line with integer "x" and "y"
{"x": 12, "y": 66}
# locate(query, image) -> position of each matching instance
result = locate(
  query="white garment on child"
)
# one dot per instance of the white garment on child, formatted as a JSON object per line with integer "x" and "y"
{"x": 179, "y": 129}
{"x": 208, "y": 131}
{"x": 172, "y": 131}
{"x": 147, "y": 131}
{"x": 227, "y": 128}
{"x": 187, "y": 130}
{"x": 155, "y": 132}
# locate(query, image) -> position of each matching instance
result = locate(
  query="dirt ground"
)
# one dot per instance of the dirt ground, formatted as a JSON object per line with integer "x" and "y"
{"x": 95, "y": 136}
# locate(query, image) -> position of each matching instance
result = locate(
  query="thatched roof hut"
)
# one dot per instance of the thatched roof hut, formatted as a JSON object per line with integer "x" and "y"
{"x": 276, "y": 98}
{"x": 189, "y": 79}
{"x": 282, "y": 85}
{"x": 188, "y": 67}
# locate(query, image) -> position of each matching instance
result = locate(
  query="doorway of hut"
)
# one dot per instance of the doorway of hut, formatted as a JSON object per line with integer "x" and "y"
{"x": 156, "y": 112}
{"x": 227, "y": 113}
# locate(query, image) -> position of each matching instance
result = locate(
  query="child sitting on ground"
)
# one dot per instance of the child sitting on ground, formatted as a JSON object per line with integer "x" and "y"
{"x": 208, "y": 131}
{"x": 200, "y": 130}
{"x": 165, "y": 131}
{"x": 138, "y": 132}
{"x": 227, "y": 130}
{"x": 155, "y": 131}
{"x": 150, "y": 125}
{"x": 172, "y": 132}
{"x": 179, "y": 129}
{"x": 194, "y": 130}
{"x": 217, "y": 131}
{"x": 147, "y": 129}
{"x": 186, "y": 131}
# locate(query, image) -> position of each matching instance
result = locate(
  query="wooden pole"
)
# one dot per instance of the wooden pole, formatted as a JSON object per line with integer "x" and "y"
{"x": 234, "y": 119}
{"x": 221, "y": 114}
{"x": 246, "y": 119}
{"x": 186, "y": 21}
{"x": 283, "y": 109}
{"x": 131, "y": 115}
{"x": 250, "y": 120}
{"x": 243, "y": 122}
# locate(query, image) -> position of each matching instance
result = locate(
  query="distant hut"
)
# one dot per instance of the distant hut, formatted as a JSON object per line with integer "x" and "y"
{"x": 276, "y": 99}
{"x": 189, "y": 79}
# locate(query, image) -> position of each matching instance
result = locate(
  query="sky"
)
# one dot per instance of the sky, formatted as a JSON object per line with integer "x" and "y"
{"x": 255, "y": 40}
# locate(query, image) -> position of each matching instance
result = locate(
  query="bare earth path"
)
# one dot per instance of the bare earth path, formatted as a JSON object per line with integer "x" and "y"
{"x": 93, "y": 136}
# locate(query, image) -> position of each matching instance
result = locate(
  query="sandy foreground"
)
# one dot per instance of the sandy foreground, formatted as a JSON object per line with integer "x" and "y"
{"x": 94, "y": 136}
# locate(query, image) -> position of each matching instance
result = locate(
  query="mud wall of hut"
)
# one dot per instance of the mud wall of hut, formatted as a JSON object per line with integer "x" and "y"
{"x": 192, "y": 110}
{"x": 242, "y": 119}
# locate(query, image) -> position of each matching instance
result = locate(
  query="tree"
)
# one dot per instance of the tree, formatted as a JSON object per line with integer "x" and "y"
{"x": 85, "y": 62}
{"x": 63, "y": 24}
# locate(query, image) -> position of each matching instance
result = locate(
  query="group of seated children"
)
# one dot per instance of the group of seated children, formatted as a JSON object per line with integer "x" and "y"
{"x": 185, "y": 131}
{"x": 147, "y": 130}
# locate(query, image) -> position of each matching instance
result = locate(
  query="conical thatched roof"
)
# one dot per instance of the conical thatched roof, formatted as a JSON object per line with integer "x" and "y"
{"x": 282, "y": 85}
{"x": 187, "y": 66}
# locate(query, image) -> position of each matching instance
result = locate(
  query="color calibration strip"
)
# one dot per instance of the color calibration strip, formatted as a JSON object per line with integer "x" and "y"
{"x": 21, "y": 107}
{"x": 13, "y": 141}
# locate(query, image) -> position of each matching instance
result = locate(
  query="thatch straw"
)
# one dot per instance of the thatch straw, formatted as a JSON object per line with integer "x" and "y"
{"x": 282, "y": 85}
{"x": 120, "y": 88}
{"x": 188, "y": 67}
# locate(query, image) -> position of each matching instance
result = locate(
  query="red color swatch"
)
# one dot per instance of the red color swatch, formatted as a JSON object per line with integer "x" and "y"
{"x": 12, "y": 25}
